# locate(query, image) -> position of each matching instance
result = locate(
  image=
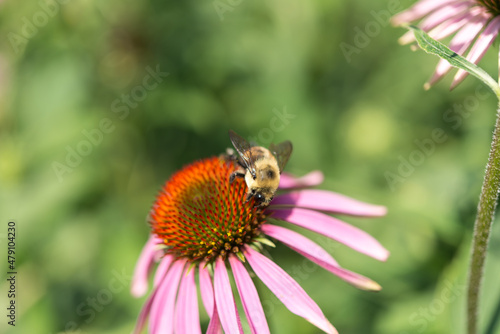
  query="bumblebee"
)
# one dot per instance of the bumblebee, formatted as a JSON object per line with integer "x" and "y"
{"x": 260, "y": 167}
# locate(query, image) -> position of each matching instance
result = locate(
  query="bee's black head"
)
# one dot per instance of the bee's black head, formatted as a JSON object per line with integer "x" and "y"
{"x": 259, "y": 199}
{"x": 262, "y": 196}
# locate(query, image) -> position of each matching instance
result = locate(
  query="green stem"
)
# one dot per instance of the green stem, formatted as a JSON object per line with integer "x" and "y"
{"x": 482, "y": 228}
{"x": 491, "y": 184}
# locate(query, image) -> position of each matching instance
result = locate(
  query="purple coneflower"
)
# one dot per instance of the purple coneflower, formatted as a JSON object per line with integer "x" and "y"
{"x": 469, "y": 20}
{"x": 202, "y": 224}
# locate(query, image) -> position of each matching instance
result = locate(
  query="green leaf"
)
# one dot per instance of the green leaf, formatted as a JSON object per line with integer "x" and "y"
{"x": 429, "y": 45}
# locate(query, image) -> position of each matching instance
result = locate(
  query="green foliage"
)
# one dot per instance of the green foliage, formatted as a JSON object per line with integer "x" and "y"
{"x": 434, "y": 47}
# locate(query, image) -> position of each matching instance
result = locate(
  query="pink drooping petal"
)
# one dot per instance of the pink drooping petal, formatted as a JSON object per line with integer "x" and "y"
{"x": 161, "y": 319}
{"x": 207, "y": 295}
{"x": 224, "y": 299}
{"x": 449, "y": 27}
{"x": 312, "y": 179}
{"x": 463, "y": 39}
{"x": 139, "y": 284}
{"x": 318, "y": 255}
{"x": 335, "y": 229}
{"x": 292, "y": 238}
{"x": 479, "y": 48}
{"x": 162, "y": 269}
{"x": 249, "y": 297}
{"x": 459, "y": 44}
{"x": 207, "y": 290}
{"x": 444, "y": 13}
{"x": 417, "y": 11}
{"x": 328, "y": 201}
{"x": 214, "y": 326}
{"x": 146, "y": 308}
{"x": 437, "y": 17}
{"x": 287, "y": 290}
{"x": 441, "y": 31}
{"x": 187, "y": 318}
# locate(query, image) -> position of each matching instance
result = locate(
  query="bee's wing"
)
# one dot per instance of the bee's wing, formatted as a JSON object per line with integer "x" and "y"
{"x": 243, "y": 148}
{"x": 282, "y": 152}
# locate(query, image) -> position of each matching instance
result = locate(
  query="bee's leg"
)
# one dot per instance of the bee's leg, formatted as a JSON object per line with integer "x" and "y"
{"x": 249, "y": 196}
{"x": 236, "y": 173}
{"x": 231, "y": 155}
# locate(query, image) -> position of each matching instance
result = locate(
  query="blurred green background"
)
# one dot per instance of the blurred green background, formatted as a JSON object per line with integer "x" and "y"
{"x": 357, "y": 111}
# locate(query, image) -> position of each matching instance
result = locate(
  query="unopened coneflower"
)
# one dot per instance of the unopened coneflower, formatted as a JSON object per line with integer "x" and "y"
{"x": 202, "y": 226}
{"x": 473, "y": 23}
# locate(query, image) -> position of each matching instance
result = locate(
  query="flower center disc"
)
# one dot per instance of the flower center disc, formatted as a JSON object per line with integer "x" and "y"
{"x": 200, "y": 215}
